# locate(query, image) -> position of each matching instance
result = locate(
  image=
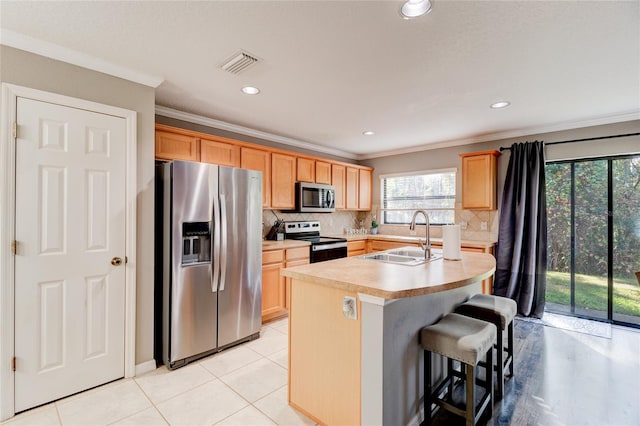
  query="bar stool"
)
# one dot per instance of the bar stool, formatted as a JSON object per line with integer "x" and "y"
{"x": 466, "y": 340}
{"x": 499, "y": 311}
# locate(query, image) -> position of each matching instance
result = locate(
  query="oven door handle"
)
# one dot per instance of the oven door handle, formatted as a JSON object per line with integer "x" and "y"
{"x": 329, "y": 246}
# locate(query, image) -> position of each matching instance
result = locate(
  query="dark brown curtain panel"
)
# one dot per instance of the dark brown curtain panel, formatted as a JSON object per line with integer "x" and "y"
{"x": 521, "y": 257}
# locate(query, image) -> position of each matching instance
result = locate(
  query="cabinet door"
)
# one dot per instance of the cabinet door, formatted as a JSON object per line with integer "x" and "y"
{"x": 287, "y": 281}
{"x": 323, "y": 172}
{"x": 364, "y": 189}
{"x": 479, "y": 177}
{"x": 339, "y": 181}
{"x": 273, "y": 292}
{"x": 174, "y": 146}
{"x": 306, "y": 170}
{"x": 356, "y": 248}
{"x": 352, "y": 188}
{"x": 283, "y": 180}
{"x": 256, "y": 159}
{"x": 224, "y": 154}
{"x": 379, "y": 245}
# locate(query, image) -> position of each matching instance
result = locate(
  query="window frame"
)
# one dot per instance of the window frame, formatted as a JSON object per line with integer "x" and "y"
{"x": 382, "y": 209}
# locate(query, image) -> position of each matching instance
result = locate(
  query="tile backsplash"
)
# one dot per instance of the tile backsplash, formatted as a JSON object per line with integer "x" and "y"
{"x": 336, "y": 223}
{"x": 472, "y": 231}
{"x": 330, "y": 223}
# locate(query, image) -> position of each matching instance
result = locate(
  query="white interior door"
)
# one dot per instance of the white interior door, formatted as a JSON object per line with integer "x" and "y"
{"x": 70, "y": 224}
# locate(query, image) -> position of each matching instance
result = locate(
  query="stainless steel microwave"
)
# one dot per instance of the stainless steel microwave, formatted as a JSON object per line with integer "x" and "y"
{"x": 315, "y": 198}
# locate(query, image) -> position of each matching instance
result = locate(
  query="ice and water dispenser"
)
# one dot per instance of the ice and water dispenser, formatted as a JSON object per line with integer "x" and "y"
{"x": 196, "y": 242}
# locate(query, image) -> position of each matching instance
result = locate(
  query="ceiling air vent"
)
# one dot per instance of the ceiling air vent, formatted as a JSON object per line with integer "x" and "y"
{"x": 239, "y": 62}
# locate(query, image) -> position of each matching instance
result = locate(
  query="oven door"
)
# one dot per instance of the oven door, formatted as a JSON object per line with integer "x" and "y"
{"x": 322, "y": 252}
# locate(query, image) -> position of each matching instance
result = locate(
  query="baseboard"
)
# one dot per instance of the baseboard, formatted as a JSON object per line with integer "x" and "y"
{"x": 145, "y": 367}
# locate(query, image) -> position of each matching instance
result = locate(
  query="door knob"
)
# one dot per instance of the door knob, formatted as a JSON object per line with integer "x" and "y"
{"x": 116, "y": 261}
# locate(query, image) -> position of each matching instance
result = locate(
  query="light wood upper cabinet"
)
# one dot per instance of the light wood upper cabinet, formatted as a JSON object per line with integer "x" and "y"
{"x": 323, "y": 172}
{"x": 257, "y": 159}
{"x": 306, "y": 170}
{"x": 352, "y": 188}
{"x": 283, "y": 180}
{"x": 479, "y": 180}
{"x": 339, "y": 181}
{"x": 280, "y": 169}
{"x": 174, "y": 146}
{"x": 364, "y": 189}
{"x": 215, "y": 152}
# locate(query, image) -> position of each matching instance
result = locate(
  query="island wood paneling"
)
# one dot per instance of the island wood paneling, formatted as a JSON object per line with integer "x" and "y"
{"x": 324, "y": 361}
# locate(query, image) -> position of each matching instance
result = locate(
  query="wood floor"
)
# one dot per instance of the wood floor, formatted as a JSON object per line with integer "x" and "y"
{"x": 568, "y": 378}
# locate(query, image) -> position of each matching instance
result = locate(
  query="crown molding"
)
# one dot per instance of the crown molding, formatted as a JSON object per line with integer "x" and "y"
{"x": 223, "y": 125}
{"x": 516, "y": 133}
{"x": 55, "y": 51}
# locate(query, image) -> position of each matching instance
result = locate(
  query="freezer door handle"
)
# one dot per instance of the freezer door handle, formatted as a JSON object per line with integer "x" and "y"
{"x": 223, "y": 254}
{"x": 215, "y": 256}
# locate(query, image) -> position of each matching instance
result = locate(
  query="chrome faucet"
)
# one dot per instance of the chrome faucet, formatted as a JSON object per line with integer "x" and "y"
{"x": 427, "y": 245}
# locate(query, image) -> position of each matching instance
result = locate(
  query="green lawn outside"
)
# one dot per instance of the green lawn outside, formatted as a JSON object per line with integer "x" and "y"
{"x": 593, "y": 292}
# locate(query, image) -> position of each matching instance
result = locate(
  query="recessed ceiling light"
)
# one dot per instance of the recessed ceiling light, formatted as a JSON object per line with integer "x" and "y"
{"x": 250, "y": 90}
{"x": 369, "y": 133}
{"x": 500, "y": 104}
{"x": 414, "y": 8}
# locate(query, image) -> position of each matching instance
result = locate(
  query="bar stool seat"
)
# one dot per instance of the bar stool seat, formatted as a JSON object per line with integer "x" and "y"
{"x": 468, "y": 341}
{"x": 499, "y": 311}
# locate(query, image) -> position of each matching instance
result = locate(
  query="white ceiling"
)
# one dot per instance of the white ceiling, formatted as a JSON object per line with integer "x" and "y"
{"x": 331, "y": 69}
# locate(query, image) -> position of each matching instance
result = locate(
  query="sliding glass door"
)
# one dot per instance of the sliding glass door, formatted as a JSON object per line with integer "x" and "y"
{"x": 594, "y": 238}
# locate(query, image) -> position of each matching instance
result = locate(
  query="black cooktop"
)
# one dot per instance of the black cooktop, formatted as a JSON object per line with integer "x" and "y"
{"x": 320, "y": 240}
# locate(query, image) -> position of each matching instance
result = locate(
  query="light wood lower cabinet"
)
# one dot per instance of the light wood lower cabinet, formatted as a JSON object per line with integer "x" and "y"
{"x": 275, "y": 288}
{"x": 273, "y": 285}
{"x": 379, "y": 245}
{"x": 356, "y": 248}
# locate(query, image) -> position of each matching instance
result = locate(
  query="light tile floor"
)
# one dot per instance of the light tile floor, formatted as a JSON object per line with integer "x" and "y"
{"x": 245, "y": 385}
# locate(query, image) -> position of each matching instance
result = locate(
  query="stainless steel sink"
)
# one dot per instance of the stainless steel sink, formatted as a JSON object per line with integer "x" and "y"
{"x": 402, "y": 256}
{"x": 407, "y": 251}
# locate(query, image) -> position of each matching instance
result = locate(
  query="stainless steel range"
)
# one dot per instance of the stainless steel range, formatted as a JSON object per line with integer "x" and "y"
{"x": 322, "y": 248}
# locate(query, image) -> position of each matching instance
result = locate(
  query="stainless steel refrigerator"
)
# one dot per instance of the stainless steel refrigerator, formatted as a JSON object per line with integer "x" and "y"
{"x": 209, "y": 219}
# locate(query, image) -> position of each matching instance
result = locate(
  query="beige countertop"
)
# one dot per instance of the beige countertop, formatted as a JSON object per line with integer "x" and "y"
{"x": 391, "y": 281}
{"x": 410, "y": 239}
{"x": 285, "y": 244}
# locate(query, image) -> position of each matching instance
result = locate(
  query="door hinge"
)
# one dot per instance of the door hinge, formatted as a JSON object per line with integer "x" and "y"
{"x": 126, "y": 259}
{"x": 15, "y": 130}
{"x": 14, "y": 247}
{"x": 14, "y": 362}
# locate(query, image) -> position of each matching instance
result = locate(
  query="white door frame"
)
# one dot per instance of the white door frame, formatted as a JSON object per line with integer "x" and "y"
{"x": 10, "y": 93}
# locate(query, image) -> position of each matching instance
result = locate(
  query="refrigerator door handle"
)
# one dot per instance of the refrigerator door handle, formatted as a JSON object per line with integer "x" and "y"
{"x": 223, "y": 254}
{"x": 215, "y": 256}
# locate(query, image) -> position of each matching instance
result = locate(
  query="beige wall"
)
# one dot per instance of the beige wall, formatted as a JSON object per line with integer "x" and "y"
{"x": 37, "y": 72}
{"x": 449, "y": 157}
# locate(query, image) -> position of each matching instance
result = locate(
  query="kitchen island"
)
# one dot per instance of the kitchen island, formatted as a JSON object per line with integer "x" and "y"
{"x": 367, "y": 368}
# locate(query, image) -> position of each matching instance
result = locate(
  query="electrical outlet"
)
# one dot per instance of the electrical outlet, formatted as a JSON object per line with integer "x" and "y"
{"x": 414, "y": 232}
{"x": 349, "y": 307}
{"x": 483, "y": 226}
{"x": 463, "y": 224}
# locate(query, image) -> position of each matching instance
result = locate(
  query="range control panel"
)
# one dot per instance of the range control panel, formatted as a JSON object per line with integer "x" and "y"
{"x": 302, "y": 226}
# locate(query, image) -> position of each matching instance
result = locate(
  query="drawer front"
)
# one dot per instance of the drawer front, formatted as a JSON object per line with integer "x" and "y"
{"x": 377, "y": 245}
{"x": 473, "y": 249}
{"x": 356, "y": 252}
{"x": 356, "y": 245}
{"x": 272, "y": 256}
{"x": 298, "y": 253}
